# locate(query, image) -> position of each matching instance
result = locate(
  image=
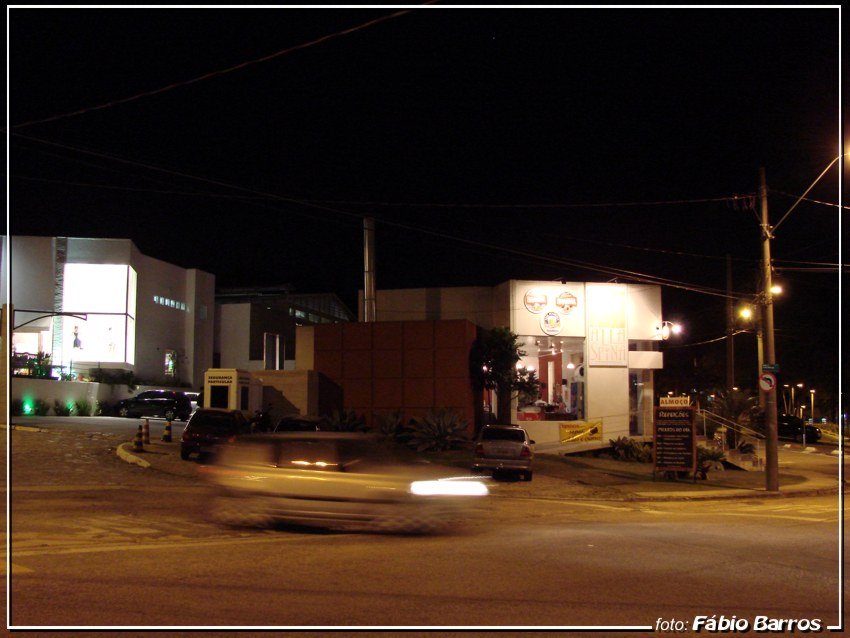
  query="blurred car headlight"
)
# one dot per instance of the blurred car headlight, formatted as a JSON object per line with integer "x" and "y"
{"x": 449, "y": 488}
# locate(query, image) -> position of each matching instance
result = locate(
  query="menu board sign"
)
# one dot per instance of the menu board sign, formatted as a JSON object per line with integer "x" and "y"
{"x": 674, "y": 438}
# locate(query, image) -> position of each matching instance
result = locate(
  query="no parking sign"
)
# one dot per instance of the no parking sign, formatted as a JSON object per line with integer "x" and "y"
{"x": 767, "y": 381}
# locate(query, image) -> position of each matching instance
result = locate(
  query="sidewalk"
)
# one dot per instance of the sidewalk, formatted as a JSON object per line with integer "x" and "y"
{"x": 583, "y": 477}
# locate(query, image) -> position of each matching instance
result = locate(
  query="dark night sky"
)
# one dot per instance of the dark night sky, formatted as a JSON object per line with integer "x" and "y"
{"x": 506, "y": 128}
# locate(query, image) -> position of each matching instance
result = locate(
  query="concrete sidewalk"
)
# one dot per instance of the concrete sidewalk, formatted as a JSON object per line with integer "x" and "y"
{"x": 557, "y": 477}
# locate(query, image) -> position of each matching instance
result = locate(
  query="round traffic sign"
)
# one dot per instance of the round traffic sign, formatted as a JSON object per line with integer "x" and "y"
{"x": 767, "y": 381}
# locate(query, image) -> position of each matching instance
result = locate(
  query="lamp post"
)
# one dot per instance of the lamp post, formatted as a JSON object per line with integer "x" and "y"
{"x": 812, "y": 394}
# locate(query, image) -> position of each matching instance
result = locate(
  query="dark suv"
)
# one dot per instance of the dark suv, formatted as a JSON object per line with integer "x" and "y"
{"x": 165, "y": 403}
{"x": 211, "y": 427}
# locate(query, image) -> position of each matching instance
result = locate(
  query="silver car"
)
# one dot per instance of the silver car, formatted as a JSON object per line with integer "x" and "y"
{"x": 504, "y": 448}
{"x": 335, "y": 480}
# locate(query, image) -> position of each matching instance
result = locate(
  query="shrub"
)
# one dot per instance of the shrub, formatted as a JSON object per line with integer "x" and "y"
{"x": 40, "y": 408}
{"x": 344, "y": 421}
{"x": 390, "y": 424}
{"x": 82, "y": 407}
{"x": 437, "y": 430}
{"x": 61, "y": 408}
{"x": 626, "y": 449}
{"x": 707, "y": 458}
{"x": 16, "y": 407}
{"x": 102, "y": 408}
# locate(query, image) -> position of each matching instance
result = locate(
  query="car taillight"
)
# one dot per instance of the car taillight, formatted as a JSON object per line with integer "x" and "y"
{"x": 232, "y": 439}
{"x": 479, "y": 450}
{"x": 525, "y": 452}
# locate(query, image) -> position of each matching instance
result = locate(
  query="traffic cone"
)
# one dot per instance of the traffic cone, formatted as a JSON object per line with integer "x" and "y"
{"x": 166, "y": 436}
{"x": 138, "y": 445}
{"x": 146, "y": 432}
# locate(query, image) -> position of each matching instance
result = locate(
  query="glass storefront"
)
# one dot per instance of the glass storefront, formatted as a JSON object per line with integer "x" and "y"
{"x": 558, "y": 364}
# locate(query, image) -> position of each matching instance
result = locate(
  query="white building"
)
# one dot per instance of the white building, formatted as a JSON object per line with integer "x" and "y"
{"x": 593, "y": 346}
{"x": 100, "y": 303}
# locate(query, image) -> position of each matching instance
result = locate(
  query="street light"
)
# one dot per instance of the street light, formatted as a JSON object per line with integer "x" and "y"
{"x": 812, "y": 393}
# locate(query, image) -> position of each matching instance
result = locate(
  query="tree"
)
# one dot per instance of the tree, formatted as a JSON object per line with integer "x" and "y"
{"x": 493, "y": 360}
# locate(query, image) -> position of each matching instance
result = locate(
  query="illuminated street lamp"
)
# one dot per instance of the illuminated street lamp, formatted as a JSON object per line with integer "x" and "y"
{"x": 667, "y": 328}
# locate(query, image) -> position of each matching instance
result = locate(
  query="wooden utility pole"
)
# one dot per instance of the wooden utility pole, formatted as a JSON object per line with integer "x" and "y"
{"x": 770, "y": 412}
{"x": 730, "y": 329}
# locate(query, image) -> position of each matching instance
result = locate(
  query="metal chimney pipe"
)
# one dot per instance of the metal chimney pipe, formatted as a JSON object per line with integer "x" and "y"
{"x": 369, "y": 309}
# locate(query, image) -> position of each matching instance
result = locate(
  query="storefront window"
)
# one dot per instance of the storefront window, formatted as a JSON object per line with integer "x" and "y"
{"x": 170, "y": 363}
{"x": 557, "y": 364}
{"x": 103, "y": 296}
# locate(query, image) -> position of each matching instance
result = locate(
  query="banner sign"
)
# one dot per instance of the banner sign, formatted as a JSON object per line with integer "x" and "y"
{"x": 579, "y": 431}
{"x": 674, "y": 440}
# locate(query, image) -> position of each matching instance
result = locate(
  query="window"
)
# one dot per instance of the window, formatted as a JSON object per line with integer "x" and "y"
{"x": 171, "y": 363}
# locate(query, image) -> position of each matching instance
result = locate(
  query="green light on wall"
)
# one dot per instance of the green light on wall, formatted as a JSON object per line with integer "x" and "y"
{"x": 29, "y": 408}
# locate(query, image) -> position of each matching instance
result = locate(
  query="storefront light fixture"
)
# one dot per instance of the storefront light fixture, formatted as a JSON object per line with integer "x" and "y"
{"x": 667, "y": 328}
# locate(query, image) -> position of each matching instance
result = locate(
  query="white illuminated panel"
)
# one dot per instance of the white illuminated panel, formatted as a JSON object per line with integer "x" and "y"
{"x": 95, "y": 288}
{"x": 106, "y": 295}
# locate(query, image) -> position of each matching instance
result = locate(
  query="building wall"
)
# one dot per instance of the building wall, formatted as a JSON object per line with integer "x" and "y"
{"x": 234, "y": 336}
{"x": 412, "y": 366}
{"x": 473, "y": 303}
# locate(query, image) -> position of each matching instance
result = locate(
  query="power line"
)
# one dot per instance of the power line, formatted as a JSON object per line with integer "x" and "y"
{"x": 809, "y": 199}
{"x": 211, "y": 74}
{"x": 589, "y": 266}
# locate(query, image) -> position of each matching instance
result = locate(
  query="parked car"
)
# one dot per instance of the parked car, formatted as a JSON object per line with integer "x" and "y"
{"x": 163, "y": 403}
{"x": 791, "y": 427}
{"x": 211, "y": 427}
{"x": 502, "y": 448}
{"x": 337, "y": 480}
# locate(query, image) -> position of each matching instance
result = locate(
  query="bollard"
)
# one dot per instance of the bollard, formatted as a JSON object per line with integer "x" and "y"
{"x": 146, "y": 432}
{"x": 166, "y": 436}
{"x": 137, "y": 442}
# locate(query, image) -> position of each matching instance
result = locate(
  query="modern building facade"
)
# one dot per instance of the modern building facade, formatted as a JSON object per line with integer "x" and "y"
{"x": 593, "y": 346}
{"x": 255, "y": 327}
{"x": 101, "y": 304}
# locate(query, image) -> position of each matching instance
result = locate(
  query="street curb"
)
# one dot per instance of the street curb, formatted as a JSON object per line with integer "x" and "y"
{"x": 125, "y": 455}
{"x": 23, "y": 428}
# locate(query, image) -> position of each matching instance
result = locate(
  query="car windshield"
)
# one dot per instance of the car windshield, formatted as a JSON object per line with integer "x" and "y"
{"x": 502, "y": 434}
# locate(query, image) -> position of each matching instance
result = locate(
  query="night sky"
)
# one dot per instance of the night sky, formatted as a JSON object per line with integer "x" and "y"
{"x": 489, "y": 144}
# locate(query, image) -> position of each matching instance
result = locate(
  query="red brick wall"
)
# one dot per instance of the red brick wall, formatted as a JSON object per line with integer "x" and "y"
{"x": 413, "y": 366}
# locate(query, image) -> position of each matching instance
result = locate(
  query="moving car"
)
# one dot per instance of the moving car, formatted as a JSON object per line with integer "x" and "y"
{"x": 211, "y": 427}
{"x": 504, "y": 448}
{"x": 791, "y": 427}
{"x": 336, "y": 480}
{"x": 164, "y": 403}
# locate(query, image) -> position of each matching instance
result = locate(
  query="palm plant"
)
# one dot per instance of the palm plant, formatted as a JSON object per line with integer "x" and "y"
{"x": 437, "y": 430}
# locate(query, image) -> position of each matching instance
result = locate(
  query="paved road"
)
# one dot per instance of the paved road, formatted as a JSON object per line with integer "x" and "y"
{"x": 97, "y": 542}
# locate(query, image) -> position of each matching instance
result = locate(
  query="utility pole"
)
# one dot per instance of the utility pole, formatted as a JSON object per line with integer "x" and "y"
{"x": 730, "y": 329}
{"x": 770, "y": 416}
{"x": 369, "y": 310}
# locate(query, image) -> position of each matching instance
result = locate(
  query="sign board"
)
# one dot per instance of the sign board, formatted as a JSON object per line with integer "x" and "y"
{"x": 674, "y": 440}
{"x": 770, "y": 367}
{"x": 767, "y": 381}
{"x": 578, "y": 431}
{"x": 674, "y": 402}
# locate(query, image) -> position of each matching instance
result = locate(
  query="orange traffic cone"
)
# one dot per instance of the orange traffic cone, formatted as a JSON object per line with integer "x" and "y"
{"x": 138, "y": 445}
{"x": 166, "y": 436}
{"x": 146, "y": 432}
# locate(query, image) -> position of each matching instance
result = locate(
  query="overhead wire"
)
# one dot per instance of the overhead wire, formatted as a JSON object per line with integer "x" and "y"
{"x": 606, "y": 270}
{"x": 212, "y": 74}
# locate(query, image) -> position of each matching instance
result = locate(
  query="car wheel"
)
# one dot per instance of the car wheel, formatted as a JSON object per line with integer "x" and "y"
{"x": 526, "y": 476}
{"x": 184, "y": 454}
{"x": 123, "y": 411}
